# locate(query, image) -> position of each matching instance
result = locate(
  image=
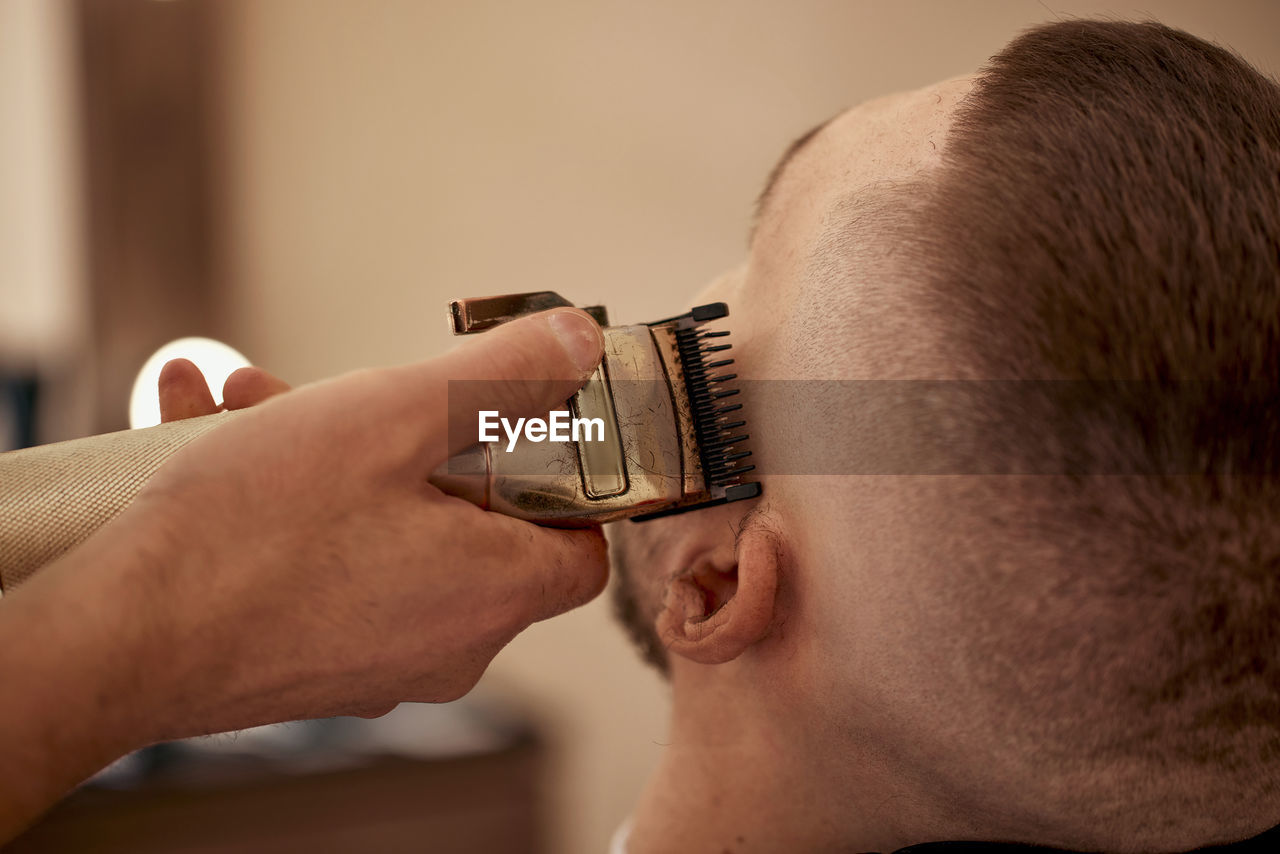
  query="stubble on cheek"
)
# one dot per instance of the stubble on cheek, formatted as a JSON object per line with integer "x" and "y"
{"x": 632, "y": 553}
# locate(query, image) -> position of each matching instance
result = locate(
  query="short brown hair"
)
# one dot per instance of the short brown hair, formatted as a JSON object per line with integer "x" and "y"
{"x": 1109, "y": 209}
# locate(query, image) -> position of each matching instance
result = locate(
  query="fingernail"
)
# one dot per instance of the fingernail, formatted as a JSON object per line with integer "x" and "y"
{"x": 580, "y": 337}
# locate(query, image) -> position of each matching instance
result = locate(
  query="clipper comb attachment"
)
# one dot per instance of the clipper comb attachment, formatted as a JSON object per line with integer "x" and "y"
{"x": 715, "y": 424}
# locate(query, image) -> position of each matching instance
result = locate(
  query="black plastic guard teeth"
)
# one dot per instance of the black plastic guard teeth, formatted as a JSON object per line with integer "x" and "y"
{"x": 716, "y": 430}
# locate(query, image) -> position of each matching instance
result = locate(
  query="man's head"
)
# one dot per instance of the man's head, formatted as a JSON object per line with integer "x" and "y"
{"x": 1084, "y": 658}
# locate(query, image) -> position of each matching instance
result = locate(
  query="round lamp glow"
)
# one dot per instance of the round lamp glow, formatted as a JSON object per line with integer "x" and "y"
{"x": 215, "y": 360}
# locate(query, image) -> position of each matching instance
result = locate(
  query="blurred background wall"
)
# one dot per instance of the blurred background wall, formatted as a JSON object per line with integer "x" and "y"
{"x": 339, "y": 169}
{"x": 44, "y": 311}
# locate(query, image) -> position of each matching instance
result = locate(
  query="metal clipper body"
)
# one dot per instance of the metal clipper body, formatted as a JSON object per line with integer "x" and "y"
{"x": 671, "y": 439}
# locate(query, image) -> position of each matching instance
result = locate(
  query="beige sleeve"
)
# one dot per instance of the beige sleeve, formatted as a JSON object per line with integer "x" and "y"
{"x": 52, "y": 497}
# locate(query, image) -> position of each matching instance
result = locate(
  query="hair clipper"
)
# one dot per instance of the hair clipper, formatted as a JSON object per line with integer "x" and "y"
{"x": 668, "y": 441}
{"x": 671, "y": 438}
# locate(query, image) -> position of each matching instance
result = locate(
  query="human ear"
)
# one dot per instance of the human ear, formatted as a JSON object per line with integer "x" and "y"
{"x": 723, "y": 602}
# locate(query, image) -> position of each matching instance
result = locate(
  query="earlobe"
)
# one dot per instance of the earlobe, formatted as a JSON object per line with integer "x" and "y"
{"x": 724, "y": 603}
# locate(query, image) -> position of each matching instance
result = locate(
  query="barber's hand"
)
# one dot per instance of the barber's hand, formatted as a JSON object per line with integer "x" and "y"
{"x": 300, "y": 565}
{"x": 185, "y": 394}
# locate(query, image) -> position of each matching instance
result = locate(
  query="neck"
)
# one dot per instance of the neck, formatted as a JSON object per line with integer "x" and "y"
{"x": 747, "y": 779}
{"x": 740, "y": 779}
{"x": 754, "y": 766}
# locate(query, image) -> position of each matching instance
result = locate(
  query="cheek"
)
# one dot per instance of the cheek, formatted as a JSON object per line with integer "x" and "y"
{"x": 635, "y": 570}
{"x": 632, "y": 592}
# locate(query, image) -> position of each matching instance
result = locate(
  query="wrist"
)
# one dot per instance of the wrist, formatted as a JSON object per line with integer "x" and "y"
{"x": 87, "y": 650}
{"x": 73, "y": 698}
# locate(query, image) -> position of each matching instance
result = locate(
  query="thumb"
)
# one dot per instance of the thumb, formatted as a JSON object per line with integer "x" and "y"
{"x": 523, "y": 368}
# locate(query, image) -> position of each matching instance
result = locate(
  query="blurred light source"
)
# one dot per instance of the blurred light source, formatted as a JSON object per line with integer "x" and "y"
{"x": 215, "y": 360}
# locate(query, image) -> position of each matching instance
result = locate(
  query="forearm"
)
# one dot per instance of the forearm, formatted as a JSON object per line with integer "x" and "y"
{"x": 253, "y": 581}
{"x": 72, "y": 671}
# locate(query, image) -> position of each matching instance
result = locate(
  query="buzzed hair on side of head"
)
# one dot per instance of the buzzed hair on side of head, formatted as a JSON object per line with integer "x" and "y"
{"x": 1109, "y": 209}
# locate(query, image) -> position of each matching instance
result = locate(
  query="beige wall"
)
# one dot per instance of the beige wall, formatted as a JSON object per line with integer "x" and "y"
{"x": 43, "y": 313}
{"x": 387, "y": 155}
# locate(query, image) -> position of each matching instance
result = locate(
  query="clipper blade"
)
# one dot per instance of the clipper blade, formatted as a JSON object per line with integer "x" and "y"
{"x": 718, "y": 424}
